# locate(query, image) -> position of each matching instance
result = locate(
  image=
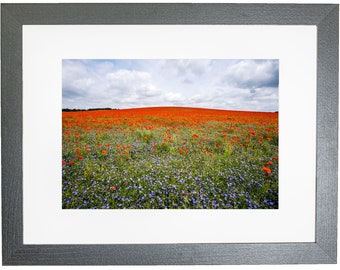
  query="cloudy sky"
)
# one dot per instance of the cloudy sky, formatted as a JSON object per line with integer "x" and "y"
{"x": 250, "y": 85}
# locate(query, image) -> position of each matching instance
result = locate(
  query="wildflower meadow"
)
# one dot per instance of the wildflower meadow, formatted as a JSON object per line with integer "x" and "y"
{"x": 169, "y": 158}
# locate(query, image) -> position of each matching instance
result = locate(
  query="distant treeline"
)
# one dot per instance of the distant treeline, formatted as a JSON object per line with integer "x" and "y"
{"x": 91, "y": 109}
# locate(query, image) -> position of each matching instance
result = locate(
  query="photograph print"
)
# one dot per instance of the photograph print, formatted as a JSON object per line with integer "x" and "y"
{"x": 170, "y": 133}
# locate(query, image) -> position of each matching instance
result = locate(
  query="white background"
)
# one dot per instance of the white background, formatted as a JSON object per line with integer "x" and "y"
{"x": 45, "y": 47}
{"x": 228, "y": 267}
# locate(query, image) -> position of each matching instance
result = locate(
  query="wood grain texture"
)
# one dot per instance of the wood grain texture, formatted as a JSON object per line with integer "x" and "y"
{"x": 169, "y": 13}
{"x": 323, "y": 251}
{"x": 165, "y": 254}
{"x": 327, "y": 133}
{"x": 11, "y": 133}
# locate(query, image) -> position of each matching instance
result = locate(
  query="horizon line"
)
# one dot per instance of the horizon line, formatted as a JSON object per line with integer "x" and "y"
{"x": 162, "y": 106}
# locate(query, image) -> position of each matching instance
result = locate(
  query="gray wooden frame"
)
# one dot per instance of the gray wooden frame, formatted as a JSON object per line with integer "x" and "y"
{"x": 323, "y": 251}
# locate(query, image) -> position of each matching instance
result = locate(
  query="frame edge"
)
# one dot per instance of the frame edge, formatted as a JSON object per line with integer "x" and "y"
{"x": 11, "y": 133}
{"x": 327, "y": 133}
{"x": 16, "y": 253}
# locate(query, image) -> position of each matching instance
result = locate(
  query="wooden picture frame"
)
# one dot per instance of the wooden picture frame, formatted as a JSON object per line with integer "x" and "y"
{"x": 323, "y": 251}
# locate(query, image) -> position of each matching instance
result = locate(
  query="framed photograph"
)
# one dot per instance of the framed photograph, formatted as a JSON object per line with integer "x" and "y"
{"x": 144, "y": 134}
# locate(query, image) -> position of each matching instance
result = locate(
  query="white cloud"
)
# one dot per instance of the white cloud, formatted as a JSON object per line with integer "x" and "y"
{"x": 83, "y": 83}
{"x": 175, "y": 98}
{"x": 187, "y": 70}
{"x": 196, "y": 99}
{"x": 104, "y": 67}
{"x": 131, "y": 87}
{"x": 149, "y": 90}
{"x": 76, "y": 82}
{"x": 252, "y": 74}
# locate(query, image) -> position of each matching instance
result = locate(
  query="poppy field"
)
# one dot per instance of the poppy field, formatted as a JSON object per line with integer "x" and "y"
{"x": 169, "y": 158}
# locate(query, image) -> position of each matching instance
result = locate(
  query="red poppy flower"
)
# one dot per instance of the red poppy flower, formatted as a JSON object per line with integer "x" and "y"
{"x": 266, "y": 170}
{"x": 104, "y": 152}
